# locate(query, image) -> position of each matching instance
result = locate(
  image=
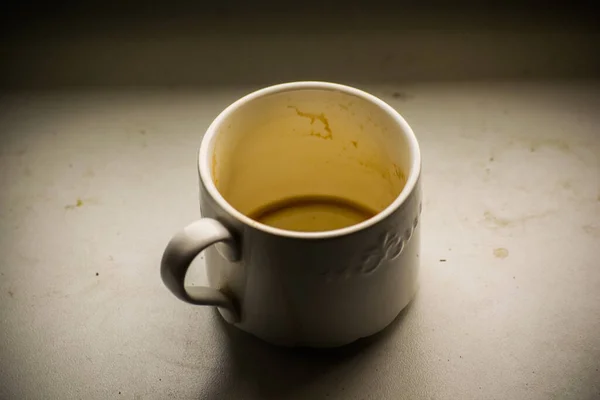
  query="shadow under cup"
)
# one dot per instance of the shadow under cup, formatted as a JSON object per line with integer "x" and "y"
{"x": 310, "y": 159}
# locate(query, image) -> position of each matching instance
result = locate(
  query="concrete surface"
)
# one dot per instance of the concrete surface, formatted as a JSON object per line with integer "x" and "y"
{"x": 94, "y": 183}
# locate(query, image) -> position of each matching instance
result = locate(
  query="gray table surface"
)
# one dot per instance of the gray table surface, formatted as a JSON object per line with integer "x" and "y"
{"x": 95, "y": 182}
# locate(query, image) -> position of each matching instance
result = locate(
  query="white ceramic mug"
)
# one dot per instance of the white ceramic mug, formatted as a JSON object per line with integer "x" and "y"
{"x": 287, "y": 287}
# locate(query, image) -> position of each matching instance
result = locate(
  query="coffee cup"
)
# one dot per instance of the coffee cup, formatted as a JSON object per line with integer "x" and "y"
{"x": 310, "y": 201}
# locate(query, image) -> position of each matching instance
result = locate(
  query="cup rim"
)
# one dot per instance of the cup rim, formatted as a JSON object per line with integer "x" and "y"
{"x": 204, "y": 161}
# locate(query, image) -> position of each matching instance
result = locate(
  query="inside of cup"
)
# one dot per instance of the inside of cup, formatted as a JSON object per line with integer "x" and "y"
{"x": 300, "y": 147}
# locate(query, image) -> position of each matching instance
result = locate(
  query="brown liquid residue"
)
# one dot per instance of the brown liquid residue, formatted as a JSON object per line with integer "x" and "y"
{"x": 312, "y": 213}
{"x": 316, "y": 117}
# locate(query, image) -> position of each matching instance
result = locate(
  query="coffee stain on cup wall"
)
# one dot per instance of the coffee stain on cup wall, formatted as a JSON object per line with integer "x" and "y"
{"x": 316, "y": 117}
{"x": 399, "y": 174}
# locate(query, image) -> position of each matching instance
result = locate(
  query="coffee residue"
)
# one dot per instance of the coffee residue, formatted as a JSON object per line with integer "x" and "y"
{"x": 78, "y": 204}
{"x": 214, "y": 168}
{"x": 399, "y": 173}
{"x": 312, "y": 213}
{"x": 500, "y": 252}
{"x": 319, "y": 117}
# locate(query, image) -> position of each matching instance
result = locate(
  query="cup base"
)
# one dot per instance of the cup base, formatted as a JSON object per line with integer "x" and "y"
{"x": 325, "y": 344}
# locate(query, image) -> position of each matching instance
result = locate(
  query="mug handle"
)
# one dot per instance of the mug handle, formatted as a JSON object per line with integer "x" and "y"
{"x": 179, "y": 254}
